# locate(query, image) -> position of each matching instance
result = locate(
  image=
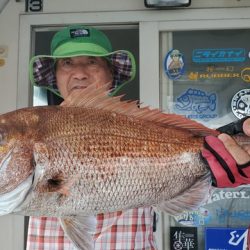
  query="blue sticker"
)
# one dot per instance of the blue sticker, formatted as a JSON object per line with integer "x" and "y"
{"x": 218, "y": 55}
{"x": 226, "y": 238}
{"x": 174, "y": 64}
{"x": 196, "y": 100}
{"x": 201, "y": 217}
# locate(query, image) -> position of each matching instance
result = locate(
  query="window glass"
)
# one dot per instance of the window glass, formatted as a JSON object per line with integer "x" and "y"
{"x": 205, "y": 76}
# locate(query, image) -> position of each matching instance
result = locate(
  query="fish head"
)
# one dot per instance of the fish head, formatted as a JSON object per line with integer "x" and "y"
{"x": 184, "y": 100}
{"x": 16, "y": 139}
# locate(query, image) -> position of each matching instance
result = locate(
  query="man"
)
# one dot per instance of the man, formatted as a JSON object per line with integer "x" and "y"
{"x": 81, "y": 56}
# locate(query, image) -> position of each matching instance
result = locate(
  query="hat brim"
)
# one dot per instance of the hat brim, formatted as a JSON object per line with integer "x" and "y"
{"x": 42, "y": 68}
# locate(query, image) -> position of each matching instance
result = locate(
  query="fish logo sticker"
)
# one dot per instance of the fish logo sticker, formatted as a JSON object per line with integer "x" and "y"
{"x": 196, "y": 100}
{"x": 174, "y": 64}
{"x": 240, "y": 103}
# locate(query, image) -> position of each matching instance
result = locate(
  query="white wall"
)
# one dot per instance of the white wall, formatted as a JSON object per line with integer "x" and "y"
{"x": 9, "y": 21}
{"x": 9, "y": 36}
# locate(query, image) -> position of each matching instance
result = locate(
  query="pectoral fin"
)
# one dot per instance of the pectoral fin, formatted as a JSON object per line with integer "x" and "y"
{"x": 190, "y": 200}
{"x": 80, "y": 230}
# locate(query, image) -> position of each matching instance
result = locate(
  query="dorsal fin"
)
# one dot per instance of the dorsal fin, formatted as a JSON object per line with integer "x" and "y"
{"x": 98, "y": 97}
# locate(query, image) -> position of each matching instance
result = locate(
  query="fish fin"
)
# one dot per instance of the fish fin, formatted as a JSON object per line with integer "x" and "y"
{"x": 189, "y": 200}
{"x": 98, "y": 97}
{"x": 108, "y": 220}
{"x": 80, "y": 230}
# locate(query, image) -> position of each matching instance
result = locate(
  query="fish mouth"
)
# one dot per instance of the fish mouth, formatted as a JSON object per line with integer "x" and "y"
{"x": 10, "y": 201}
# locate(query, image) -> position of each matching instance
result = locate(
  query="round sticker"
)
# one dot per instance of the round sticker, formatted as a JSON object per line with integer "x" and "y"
{"x": 174, "y": 64}
{"x": 240, "y": 103}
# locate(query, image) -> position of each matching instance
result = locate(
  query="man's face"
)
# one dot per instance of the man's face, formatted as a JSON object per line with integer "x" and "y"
{"x": 79, "y": 72}
{"x": 175, "y": 58}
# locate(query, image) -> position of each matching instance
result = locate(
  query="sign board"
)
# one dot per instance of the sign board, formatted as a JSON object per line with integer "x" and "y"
{"x": 183, "y": 238}
{"x": 33, "y": 5}
{"x": 226, "y": 238}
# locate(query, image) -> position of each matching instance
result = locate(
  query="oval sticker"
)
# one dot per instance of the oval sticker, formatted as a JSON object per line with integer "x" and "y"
{"x": 174, "y": 64}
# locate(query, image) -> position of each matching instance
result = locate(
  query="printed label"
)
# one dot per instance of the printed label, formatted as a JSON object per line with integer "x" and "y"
{"x": 79, "y": 33}
{"x": 218, "y": 55}
{"x": 183, "y": 238}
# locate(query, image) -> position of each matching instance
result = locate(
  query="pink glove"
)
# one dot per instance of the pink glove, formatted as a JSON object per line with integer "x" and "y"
{"x": 225, "y": 171}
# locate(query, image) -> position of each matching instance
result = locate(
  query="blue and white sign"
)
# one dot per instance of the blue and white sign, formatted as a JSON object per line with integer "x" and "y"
{"x": 201, "y": 217}
{"x": 226, "y": 238}
{"x": 219, "y": 55}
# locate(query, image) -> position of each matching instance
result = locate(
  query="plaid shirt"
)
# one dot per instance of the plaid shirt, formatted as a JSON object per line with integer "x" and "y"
{"x": 133, "y": 230}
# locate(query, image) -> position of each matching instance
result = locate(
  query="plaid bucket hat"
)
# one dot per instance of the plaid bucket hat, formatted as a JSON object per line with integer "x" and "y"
{"x": 81, "y": 40}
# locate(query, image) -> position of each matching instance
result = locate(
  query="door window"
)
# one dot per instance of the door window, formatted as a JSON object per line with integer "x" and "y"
{"x": 205, "y": 76}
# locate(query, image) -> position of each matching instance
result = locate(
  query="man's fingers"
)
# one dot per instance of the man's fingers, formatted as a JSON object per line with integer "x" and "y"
{"x": 246, "y": 148}
{"x": 237, "y": 152}
{"x": 246, "y": 127}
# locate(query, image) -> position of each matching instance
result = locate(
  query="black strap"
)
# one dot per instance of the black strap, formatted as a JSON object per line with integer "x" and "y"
{"x": 233, "y": 128}
{"x": 222, "y": 162}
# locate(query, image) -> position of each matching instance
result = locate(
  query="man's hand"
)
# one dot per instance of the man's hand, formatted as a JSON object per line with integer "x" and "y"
{"x": 229, "y": 162}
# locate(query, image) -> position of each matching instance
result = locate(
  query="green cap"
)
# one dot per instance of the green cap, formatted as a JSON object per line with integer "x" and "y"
{"x": 73, "y": 41}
